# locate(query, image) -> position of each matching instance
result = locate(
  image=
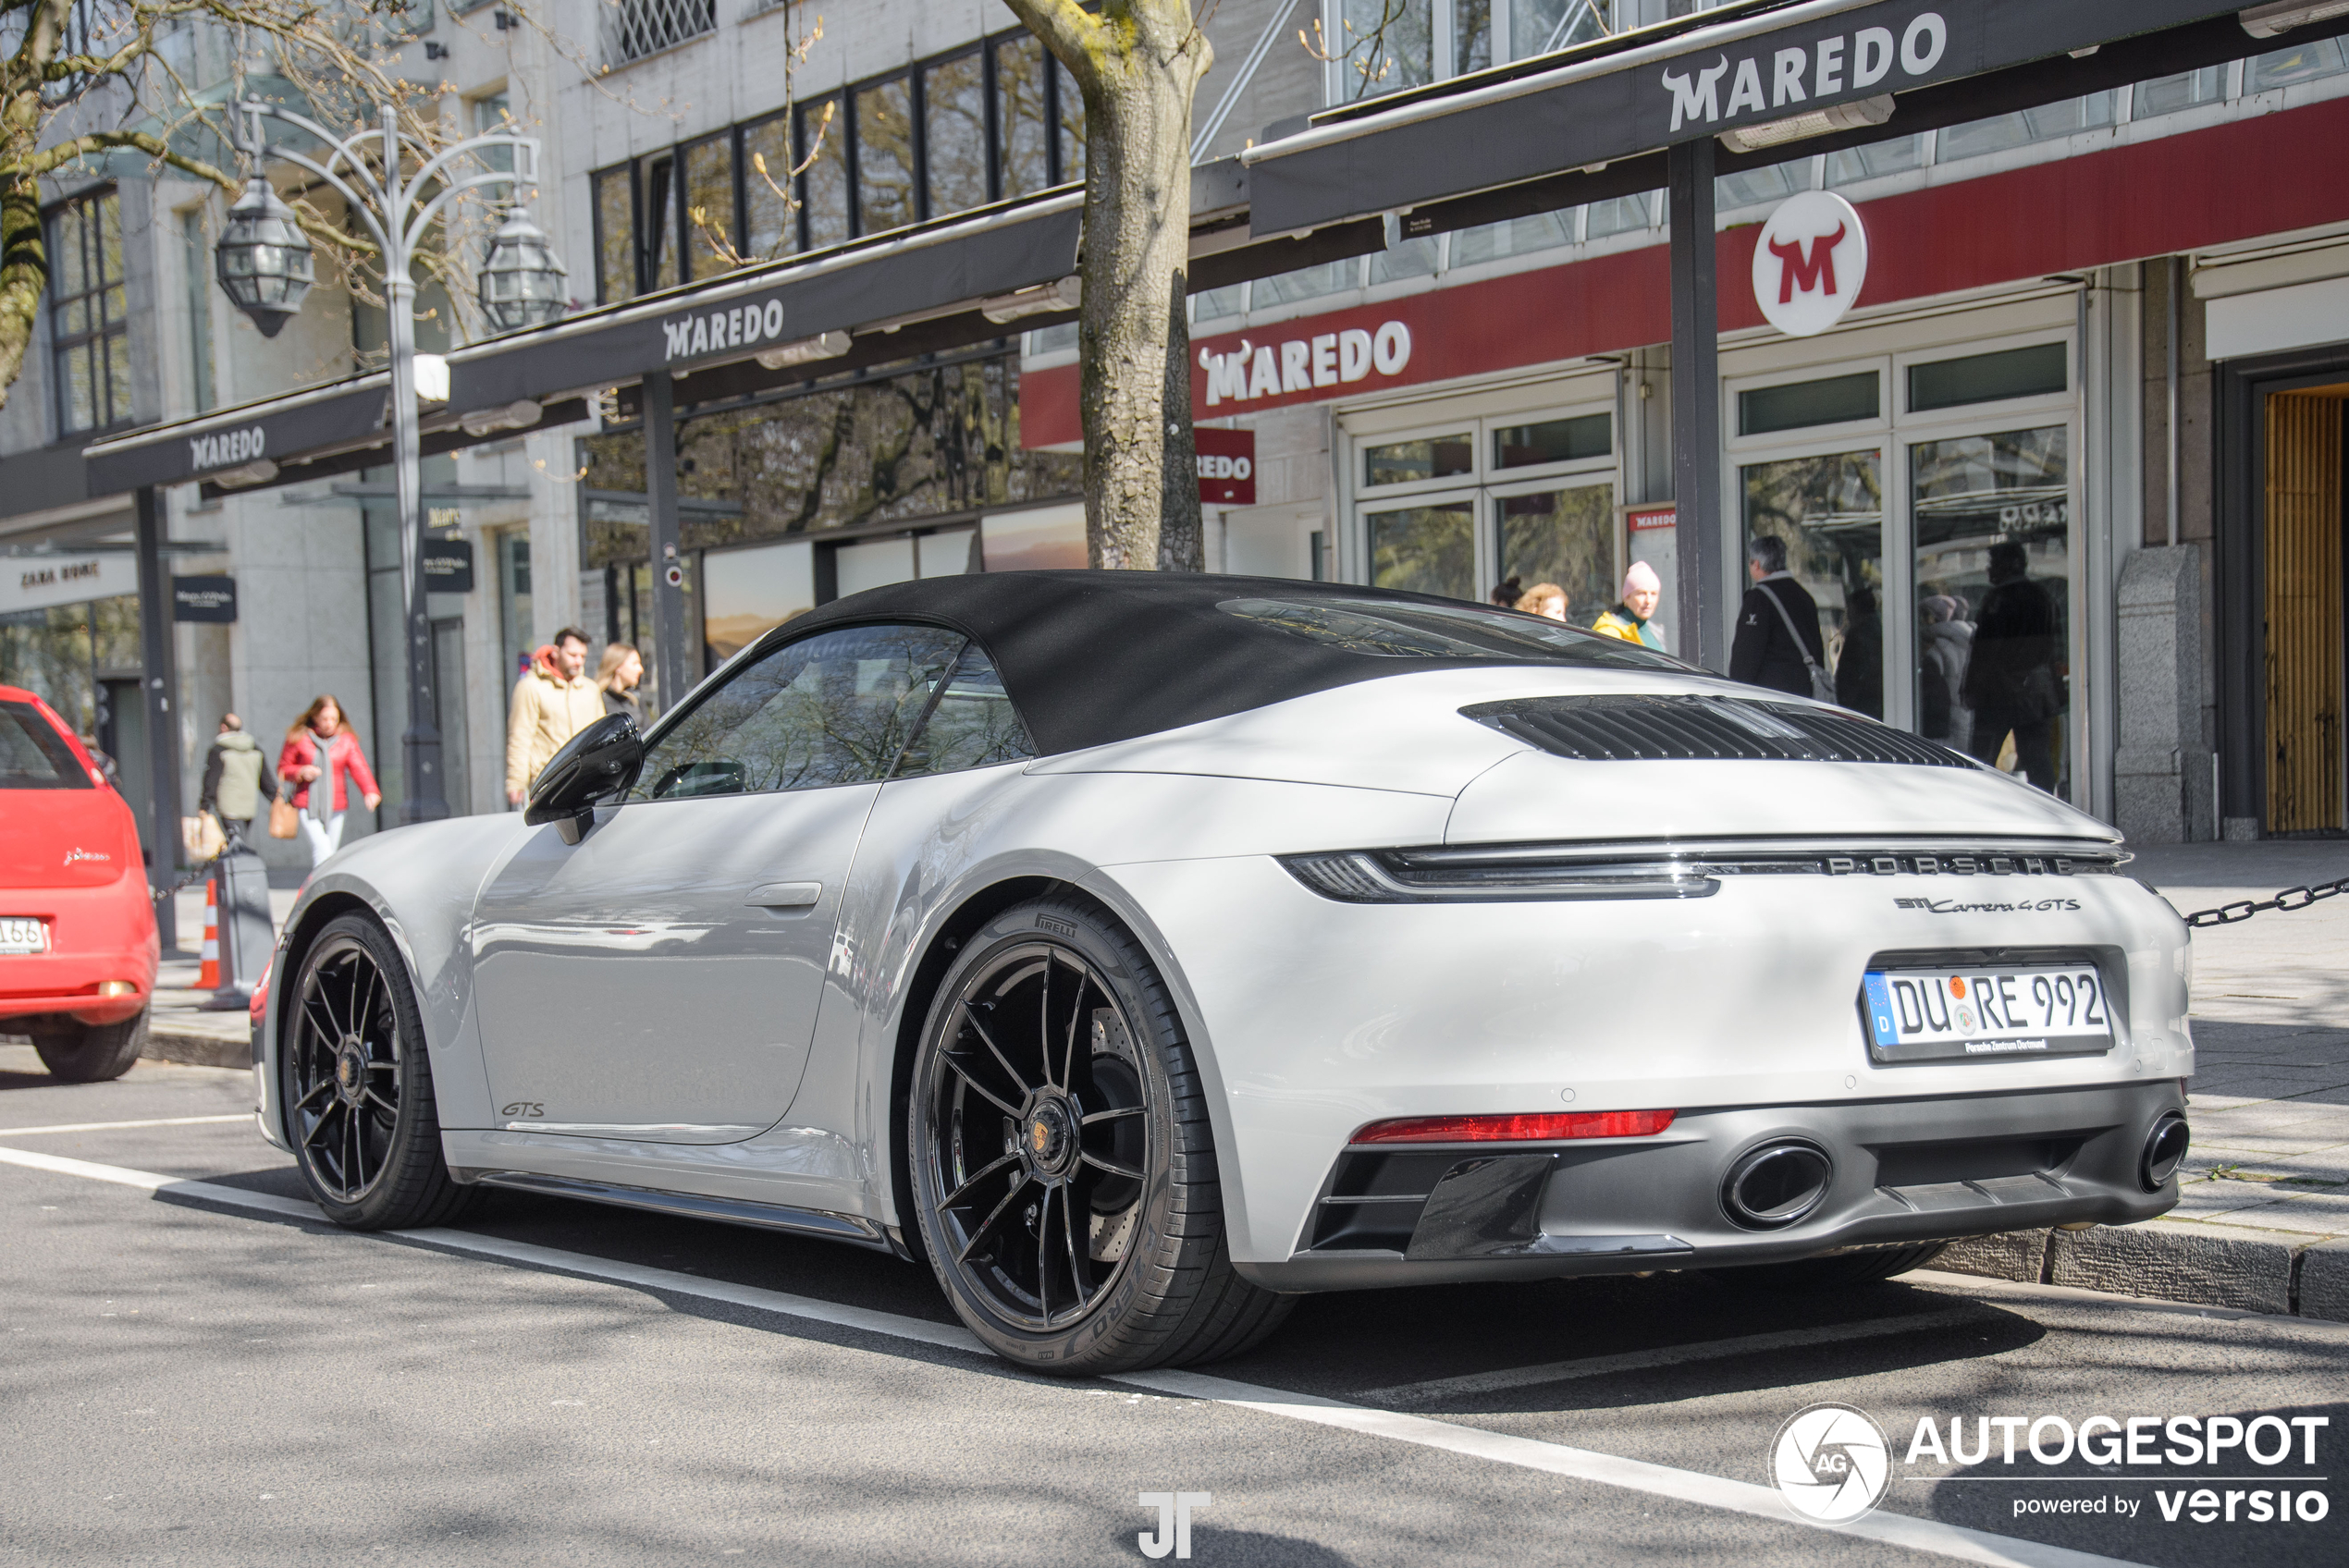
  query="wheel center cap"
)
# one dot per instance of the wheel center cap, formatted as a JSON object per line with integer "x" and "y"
{"x": 1046, "y": 1135}
{"x": 350, "y": 1070}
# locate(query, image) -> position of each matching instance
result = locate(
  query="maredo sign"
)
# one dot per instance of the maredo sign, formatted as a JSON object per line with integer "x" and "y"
{"x": 1809, "y": 263}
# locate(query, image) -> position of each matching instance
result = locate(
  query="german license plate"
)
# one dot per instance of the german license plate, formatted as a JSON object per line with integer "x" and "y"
{"x": 23, "y": 934}
{"x": 1988, "y": 1012}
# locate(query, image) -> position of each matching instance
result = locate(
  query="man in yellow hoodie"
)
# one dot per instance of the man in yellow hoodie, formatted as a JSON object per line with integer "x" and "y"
{"x": 551, "y": 703}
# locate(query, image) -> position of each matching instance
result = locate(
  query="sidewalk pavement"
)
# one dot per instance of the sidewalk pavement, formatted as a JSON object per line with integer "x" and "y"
{"x": 2262, "y": 1221}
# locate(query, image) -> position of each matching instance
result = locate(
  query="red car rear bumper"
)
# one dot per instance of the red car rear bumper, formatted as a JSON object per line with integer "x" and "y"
{"x": 96, "y": 935}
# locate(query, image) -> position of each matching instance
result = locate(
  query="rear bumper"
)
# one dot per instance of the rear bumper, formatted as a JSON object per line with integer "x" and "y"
{"x": 1901, "y": 1171}
{"x": 95, "y": 934}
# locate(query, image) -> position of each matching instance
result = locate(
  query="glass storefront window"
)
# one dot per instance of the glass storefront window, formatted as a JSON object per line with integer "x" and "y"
{"x": 1425, "y": 549}
{"x": 1834, "y": 399}
{"x": 1422, "y": 457}
{"x": 1306, "y": 283}
{"x": 1389, "y": 45}
{"x": 1620, "y": 214}
{"x": 1979, "y": 137}
{"x": 1566, "y": 536}
{"x": 752, "y": 592}
{"x": 1849, "y": 166}
{"x": 1992, "y": 519}
{"x": 1553, "y": 441}
{"x": 2304, "y": 62}
{"x": 1829, "y": 510}
{"x": 2189, "y": 90}
{"x": 615, "y": 235}
{"x": 1518, "y": 237}
{"x": 2033, "y": 372}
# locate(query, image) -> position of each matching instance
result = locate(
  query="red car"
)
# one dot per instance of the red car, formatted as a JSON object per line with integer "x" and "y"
{"x": 78, "y": 948}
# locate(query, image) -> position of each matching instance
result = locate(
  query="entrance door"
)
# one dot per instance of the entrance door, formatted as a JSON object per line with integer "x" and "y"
{"x": 658, "y": 980}
{"x": 2303, "y": 611}
{"x": 1828, "y": 510}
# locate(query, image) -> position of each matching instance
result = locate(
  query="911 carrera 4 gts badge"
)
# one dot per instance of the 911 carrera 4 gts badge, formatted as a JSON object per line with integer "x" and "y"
{"x": 1953, "y": 906}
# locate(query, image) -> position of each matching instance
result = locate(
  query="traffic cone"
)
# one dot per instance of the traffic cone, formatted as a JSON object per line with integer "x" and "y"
{"x": 208, "y": 977}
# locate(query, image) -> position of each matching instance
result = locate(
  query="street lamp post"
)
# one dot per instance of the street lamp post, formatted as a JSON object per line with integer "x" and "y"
{"x": 265, "y": 264}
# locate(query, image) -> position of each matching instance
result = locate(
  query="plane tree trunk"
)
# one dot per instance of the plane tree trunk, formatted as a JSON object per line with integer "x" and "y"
{"x": 1136, "y": 64}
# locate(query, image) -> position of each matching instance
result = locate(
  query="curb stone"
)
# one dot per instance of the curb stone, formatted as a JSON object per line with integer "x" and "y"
{"x": 2324, "y": 1281}
{"x": 2010, "y": 1254}
{"x": 2208, "y": 1265}
{"x": 192, "y": 1049}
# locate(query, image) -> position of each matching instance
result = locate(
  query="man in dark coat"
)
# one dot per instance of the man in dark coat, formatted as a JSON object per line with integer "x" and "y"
{"x": 2013, "y": 682}
{"x": 1764, "y": 653}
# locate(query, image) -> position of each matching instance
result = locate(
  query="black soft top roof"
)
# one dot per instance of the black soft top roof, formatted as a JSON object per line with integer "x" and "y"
{"x": 1090, "y": 657}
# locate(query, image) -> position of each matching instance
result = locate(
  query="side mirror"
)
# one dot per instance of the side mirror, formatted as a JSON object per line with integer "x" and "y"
{"x": 600, "y": 761}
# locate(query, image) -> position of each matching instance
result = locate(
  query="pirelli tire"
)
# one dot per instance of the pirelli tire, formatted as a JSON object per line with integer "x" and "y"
{"x": 1062, "y": 1167}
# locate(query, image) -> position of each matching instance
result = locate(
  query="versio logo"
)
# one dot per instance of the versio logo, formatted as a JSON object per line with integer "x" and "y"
{"x": 1831, "y": 1462}
{"x": 1174, "y": 1533}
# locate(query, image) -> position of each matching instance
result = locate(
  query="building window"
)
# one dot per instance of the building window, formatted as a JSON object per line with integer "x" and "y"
{"x": 637, "y": 28}
{"x": 89, "y": 332}
{"x": 1381, "y": 46}
{"x": 986, "y": 124}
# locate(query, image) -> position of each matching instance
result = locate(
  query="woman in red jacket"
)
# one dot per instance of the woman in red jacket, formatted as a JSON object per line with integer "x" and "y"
{"x": 320, "y": 743}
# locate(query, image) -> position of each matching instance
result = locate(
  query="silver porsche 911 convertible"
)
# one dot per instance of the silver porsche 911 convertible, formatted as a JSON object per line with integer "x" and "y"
{"x": 1142, "y": 950}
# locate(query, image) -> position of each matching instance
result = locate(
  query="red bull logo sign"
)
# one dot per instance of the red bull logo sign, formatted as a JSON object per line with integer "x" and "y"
{"x": 1810, "y": 262}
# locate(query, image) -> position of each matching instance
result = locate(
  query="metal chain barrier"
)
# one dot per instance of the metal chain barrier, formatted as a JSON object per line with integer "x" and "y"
{"x": 2291, "y": 898}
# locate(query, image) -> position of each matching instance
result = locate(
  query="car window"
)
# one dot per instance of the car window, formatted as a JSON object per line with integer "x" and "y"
{"x": 1385, "y": 630}
{"x": 973, "y": 725}
{"x": 33, "y": 755}
{"x": 833, "y": 708}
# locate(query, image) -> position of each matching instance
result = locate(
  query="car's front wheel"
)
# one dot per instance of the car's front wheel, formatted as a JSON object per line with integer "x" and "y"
{"x": 1063, "y": 1169}
{"x": 91, "y": 1053}
{"x": 358, "y": 1085}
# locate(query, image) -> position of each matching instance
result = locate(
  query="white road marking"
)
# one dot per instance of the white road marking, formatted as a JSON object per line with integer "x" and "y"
{"x": 1437, "y": 1389}
{"x": 116, "y": 1126}
{"x": 1557, "y": 1459}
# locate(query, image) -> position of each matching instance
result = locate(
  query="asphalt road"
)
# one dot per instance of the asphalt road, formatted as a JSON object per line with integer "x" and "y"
{"x": 206, "y": 1373}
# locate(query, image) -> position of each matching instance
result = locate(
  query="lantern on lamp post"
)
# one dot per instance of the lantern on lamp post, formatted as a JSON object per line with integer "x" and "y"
{"x": 522, "y": 282}
{"x": 263, "y": 259}
{"x": 396, "y": 185}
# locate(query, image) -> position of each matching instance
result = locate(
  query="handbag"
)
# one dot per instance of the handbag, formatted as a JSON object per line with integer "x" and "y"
{"x": 202, "y": 837}
{"x": 284, "y": 822}
{"x": 1822, "y": 684}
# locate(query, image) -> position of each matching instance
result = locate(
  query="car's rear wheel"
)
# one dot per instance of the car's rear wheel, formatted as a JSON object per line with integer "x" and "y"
{"x": 358, "y": 1085}
{"x": 1839, "y": 1272}
{"x": 1064, "y": 1170}
{"x": 91, "y": 1053}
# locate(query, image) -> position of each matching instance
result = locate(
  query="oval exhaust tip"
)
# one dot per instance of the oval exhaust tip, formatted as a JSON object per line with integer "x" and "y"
{"x": 2165, "y": 1150}
{"x": 1776, "y": 1184}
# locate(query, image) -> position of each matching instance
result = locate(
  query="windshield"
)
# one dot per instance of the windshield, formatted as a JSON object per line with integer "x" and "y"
{"x": 1383, "y": 629}
{"x": 33, "y": 755}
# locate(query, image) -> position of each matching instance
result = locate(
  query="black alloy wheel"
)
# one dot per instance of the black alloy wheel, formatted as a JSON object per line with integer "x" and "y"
{"x": 1062, "y": 1165}
{"x": 357, "y": 1085}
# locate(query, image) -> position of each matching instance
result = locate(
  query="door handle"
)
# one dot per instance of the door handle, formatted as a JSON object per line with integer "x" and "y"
{"x": 785, "y": 895}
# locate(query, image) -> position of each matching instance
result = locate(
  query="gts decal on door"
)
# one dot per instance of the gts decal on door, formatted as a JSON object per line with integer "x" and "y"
{"x": 524, "y": 1107}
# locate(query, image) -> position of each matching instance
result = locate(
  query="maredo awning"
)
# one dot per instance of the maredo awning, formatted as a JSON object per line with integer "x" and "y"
{"x": 933, "y": 289}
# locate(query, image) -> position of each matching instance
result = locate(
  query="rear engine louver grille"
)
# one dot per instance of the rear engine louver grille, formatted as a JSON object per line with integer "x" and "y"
{"x": 1693, "y": 729}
